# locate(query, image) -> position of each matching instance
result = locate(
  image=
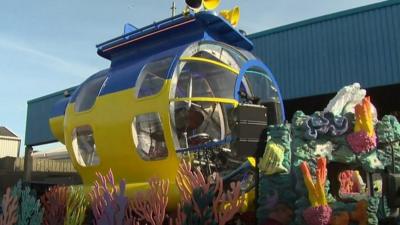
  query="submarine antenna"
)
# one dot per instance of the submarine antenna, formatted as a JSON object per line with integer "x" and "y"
{"x": 173, "y": 8}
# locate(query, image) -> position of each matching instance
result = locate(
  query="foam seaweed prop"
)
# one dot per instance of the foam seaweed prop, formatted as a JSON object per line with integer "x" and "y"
{"x": 151, "y": 204}
{"x": 76, "y": 206}
{"x": 10, "y": 209}
{"x": 108, "y": 205}
{"x": 54, "y": 203}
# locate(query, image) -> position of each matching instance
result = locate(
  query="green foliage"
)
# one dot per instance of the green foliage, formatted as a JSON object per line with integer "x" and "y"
{"x": 76, "y": 206}
{"x": 30, "y": 211}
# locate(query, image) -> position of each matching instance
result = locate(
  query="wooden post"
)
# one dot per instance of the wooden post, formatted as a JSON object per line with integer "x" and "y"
{"x": 28, "y": 164}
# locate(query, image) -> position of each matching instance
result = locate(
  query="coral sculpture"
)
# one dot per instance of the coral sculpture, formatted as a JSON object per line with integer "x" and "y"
{"x": 325, "y": 123}
{"x": 345, "y": 99}
{"x": 108, "y": 205}
{"x": 204, "y": 202}
{"x": 363, "y": 139}
{"x": 54, "y": 203}
{"x": 319, "y": 213}
{"x": 10, "y": 209}
{"x": 150, "y": 205}
{"x": 351, "y": 182}
{"x": 30, "y": 211}
{"x": 340, "y": 218}
{"x": 360, "y": 213}
{"x": 272, "y": 160}
{"x": 76, "y": 206}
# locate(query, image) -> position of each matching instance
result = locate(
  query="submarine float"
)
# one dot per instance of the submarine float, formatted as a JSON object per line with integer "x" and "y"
{"x": 187, "y": 87}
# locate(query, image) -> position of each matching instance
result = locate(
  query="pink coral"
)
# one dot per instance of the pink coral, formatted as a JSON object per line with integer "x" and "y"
{"x": 361, "y": 141}
{"x": 319, "y": 215}
{"x": 346, "y": 183}
{"x": 150, "y": 205}
{"x": 10, "y": 209}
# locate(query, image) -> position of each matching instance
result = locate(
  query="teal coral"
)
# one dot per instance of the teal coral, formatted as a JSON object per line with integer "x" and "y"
{"x": 281, "y": 134}
{"x": 388, "y": 133}
{"x": 30, "y": 211}
{"x": 370, "y": 162}
{"x": 372, "y": 210}
{"x": 388, "y": 129}
{"x": 274, "y": 189}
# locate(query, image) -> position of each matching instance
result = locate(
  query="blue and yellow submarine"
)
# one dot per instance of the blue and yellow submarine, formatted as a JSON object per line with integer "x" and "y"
{"x": 170, "y": 94}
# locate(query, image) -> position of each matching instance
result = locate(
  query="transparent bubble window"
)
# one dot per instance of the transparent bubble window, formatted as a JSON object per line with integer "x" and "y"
{"x": 258, "y": 87}
{"x": 84, "y": 146}
{"x": 200, "y": 122}
{"x": 217, "y": 51}
{"x": 148, "y": 137}
{"x": 89, "y": 91}
{"x": 204, "y": 79}
{"x": 202, "y": 94}
{"x": 151, "y": 78}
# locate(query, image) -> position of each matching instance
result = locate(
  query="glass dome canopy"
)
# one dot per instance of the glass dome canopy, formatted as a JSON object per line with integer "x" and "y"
{"x": 207, "y": 85}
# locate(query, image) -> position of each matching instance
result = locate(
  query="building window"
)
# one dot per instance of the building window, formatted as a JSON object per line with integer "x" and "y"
{"x": 84, "y": 146}
{"x": 151, "y": 78}
{"x": 148, "y": 136}
{"x": 89, "y": 91}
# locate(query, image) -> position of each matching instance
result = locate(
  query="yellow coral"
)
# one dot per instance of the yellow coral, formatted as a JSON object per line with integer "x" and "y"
{"x": 272, "y": 160}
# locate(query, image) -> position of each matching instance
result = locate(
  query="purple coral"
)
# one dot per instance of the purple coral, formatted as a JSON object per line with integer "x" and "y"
{"x": 361, "y": 142}
{"x": 108, "y": 205}
{"x": 319, "y": 215}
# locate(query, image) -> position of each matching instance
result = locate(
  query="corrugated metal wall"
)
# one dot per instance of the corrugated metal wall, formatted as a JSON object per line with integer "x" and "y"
{"x": 322, "y": 55}
{"x": 9, "y": 146}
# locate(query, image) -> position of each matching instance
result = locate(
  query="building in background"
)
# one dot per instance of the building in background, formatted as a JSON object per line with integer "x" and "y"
{"x": 313, "y": 59}
{"x": 9, "y": 143}
{"x": 58, "y": 153}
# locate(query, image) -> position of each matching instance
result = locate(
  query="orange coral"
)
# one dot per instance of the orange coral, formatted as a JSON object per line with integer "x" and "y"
{"x": 150, "y": 205}
{"x": 316, "y": 191}
{"x": 364, "y": 120}
{"x": 340, "y": 218}
{"x": 360, "y": 213}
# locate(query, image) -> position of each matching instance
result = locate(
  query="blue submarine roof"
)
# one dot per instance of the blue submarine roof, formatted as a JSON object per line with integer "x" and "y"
{"x": 184, "y": 28}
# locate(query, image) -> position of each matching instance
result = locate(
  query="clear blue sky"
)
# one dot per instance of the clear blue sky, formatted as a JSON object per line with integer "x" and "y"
{"x": 49, "y": 45}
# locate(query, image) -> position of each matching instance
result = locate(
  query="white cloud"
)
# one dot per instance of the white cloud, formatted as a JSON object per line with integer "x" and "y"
{"x": 58, "y": 64}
